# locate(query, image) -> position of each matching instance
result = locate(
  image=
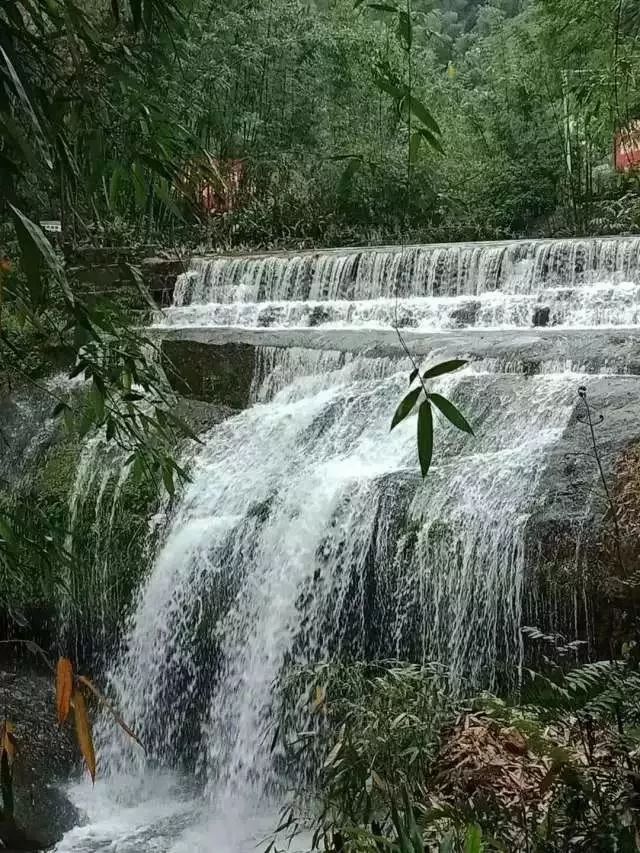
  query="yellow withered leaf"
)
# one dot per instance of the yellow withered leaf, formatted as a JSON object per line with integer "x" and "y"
{"x": 8, "y": 742}
{"x": 64, "y": 688}
{"x": 320, "y": 699}
{"x": 83, "y": 733}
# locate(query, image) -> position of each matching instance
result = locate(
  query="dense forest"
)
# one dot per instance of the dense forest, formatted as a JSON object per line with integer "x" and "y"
{"x": 525, "y": 98}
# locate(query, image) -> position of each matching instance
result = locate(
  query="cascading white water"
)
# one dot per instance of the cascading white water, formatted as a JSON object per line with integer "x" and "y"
{"x": 89, "y": 598}
{"x": 306, "y": 532}
{"x": 599, "y": 303}
{"x": 512, "y": 285}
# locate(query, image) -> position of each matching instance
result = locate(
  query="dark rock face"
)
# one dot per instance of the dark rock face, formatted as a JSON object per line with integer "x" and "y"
{"x": 571, "y": 536}
{"x": 465, "y": 315}
{"x": 268, "y": 317}
{"x": 318, "y": 316}
{"x": 46, "y": 759}
{"x": 541, "y": 316}
{"x": 218, "y": 374}
{"x": 159, "y": 275}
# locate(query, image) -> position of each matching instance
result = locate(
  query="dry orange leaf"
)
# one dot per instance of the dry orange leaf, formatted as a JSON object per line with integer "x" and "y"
{"x": 83, "y": 733}
{"x": 64, "y": 688}
{"x": 8, "y": 741}
{"x": 320, "y": 701}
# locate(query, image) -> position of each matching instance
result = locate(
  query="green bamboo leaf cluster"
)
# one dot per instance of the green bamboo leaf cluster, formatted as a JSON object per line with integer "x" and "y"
{"x": 425, "y": 410}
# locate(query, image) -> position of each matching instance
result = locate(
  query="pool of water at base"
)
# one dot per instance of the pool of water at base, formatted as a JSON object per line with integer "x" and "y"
{"x": 160, "y": 814}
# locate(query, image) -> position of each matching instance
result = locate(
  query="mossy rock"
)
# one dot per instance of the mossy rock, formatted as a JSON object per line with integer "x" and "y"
{"x": 57, "y": 475}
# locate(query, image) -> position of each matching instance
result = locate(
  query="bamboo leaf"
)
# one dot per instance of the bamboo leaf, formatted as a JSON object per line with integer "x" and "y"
{"x": 161, "y": 191}
{"x": 473, "y": 840}
{"x": 406, "y": 406}
{"x": 382, "y": 7}
{"x": 421, "y": 112}
{"x": 425, "y": 437}
{"x": 405, "y": 29}
{"x": 26, "y": 104}
{"x": 451, "y": 413}
{"x": 64, "y": 688}
{"x": 389, "y": 86}
{"x": 335, "y": 752}
{"x": 8, "y": 741}
{"x": 59, "y": 408}
{"x": 13, "y": 129}
{"x": 139, "y": 185}
{"x": 167, "y": 479}
{"x": 98, "y": 403}
{"x": 319, "y": 699}
{"x": 444, "y": 367}
{"x": 183, "y": 426}
{"x": 378, "y": 781}
{"x": 36, "y": 249}
{"x": 431, "y": 139}
{"x": 6, "y": 785}
{"x": 83, "y": 733}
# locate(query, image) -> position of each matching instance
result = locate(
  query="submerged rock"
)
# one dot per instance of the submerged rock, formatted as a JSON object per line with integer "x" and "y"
{"x": 466, "y": 315}
{"x": 541, "y": 316}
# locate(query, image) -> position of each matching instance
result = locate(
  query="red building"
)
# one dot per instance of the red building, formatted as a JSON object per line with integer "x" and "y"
{"x": 627, "y": 147}
{"x": 222, "y": 197}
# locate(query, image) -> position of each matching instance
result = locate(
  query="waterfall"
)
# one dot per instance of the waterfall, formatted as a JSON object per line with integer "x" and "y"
{"x": 306, "y": 533}
{"x": 92, "y": 597}
{"x": 111, "y": 525}
{"x": 512, "y": 285}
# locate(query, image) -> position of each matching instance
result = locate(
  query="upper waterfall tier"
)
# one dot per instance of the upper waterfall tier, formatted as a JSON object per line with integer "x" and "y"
{"x": 566, "y": 283}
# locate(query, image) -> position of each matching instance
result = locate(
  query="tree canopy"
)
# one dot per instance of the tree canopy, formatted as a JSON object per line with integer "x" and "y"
{"x": 116, "y": 115}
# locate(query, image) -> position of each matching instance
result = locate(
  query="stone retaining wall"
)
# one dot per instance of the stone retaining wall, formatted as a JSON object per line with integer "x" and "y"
{"x": 107, "y": 271}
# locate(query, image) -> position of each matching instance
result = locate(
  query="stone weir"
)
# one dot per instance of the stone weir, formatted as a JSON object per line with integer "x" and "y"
{"x": 538, "y": 321}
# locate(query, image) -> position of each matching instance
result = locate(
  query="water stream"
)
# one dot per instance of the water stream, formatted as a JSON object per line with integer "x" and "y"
{"x": 306, "y": 533}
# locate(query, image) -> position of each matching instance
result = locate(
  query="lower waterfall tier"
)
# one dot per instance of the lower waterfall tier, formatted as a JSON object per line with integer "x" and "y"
{"x": 335, "y": 548}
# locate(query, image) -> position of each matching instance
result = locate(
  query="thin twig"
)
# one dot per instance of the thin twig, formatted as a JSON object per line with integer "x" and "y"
{"x": 582, "y": 392}
{"x": 33, "y": 647}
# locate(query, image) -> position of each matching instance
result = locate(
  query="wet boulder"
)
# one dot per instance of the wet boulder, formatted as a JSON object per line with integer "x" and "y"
{"x": 46, "y": 759}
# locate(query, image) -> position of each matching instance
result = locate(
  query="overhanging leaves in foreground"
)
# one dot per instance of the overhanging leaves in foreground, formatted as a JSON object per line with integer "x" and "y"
{"x": 450, "y": 412}
{"x": 425, "y": 413}
{"x": 64, "y": 688}
{"x": 425, "y": 436}
{"x": 69, "y": 697}
{"x": 406, "y": 407}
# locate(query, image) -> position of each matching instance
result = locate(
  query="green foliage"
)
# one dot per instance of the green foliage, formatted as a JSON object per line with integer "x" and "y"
{"x": 121, "y": 117}
{"x": 363, "y": 734}
{"x": 78, "y": 589}
{"x": 425, "y": 413}
{"x": 43, "y": 46}
{"x": 373, "y": 739}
